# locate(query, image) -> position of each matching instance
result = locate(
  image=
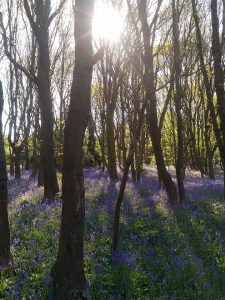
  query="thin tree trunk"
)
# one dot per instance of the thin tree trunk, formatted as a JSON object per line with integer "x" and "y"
{"x": 4, "y": 223}
{"x": 47, "y": 145}
{"x": 27, "y": 158}
{"x": 152, "y": 107}
{"x": 40, "y": 27}
{"x": 11, "y": 163}
{"x": 129, "y": 162}
{"x": 111, "y": 151}
{"x": 178, "y": 95}
{"x": 17, "y": 151}
{"x": 207, "y": 83}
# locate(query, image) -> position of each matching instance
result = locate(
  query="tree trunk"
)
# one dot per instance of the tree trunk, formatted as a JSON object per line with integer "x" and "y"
{"x": 47, "y": 145}
{"x": 27, "y": 158}
{"x": 40, "y": 20}
{"x": 40, "y": 171}
{"x": 219, "y": 74}
{"x": 35, "y": 160}
{"x": 133, "y": 171}
{"x": 4, "y": 223}
{"x": 211, "y": 168}
{"x": 129, "y": 162}
{"x": 111, "y": 151}
{"x": 178, "y": 95}
{"x": 11, "y": 162}
{"x": 68, "y": 271}
{"x": 152, "y": 107}
{"x": 209, "y": 94}
{"x": 119, "y": 200}
{"x": 17, "y": 151}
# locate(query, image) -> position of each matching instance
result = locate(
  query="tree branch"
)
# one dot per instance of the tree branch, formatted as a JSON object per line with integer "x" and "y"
{"x": 33, "y": 24}
{"x": 31, "y": 76}
{"x": 55, "y": 13}
{"x": 98, "y": 55}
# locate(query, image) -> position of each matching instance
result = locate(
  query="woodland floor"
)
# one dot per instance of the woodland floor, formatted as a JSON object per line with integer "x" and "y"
{"x": 165, "y": 253}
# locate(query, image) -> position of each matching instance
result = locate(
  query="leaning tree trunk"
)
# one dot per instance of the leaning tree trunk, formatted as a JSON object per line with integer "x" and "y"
{"x": 68, "y": 271}
{"x": 128, "y": 163}
{"x": 152, "y": 107}
{"x": 4, "y": 223}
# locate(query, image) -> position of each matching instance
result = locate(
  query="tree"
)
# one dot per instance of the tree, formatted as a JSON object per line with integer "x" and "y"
{"x": 219, "y": 132}
{"x": 178, "y": 99}
{"x": 40, "y": 17}
{"x": 151, "y": 107}
{"x": 110, "y": 71}
{"x": 4, "y": 223}
{"x": 40, "y": 28}
{"x": 219, "y": 74}
{"x": 68, "y": 271}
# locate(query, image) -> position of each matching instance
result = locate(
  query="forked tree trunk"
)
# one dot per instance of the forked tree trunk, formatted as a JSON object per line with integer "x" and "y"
{"x": 68, "y": 271}
{"x": 4, "y": 223}
{"x": 152, "y": 107}
{"x": 128, "y": 163}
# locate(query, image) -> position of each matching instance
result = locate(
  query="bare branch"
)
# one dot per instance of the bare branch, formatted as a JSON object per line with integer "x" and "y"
{"x": 31, "y": 76}
{"x": 33, "y": 24}
{"x": 98, "y": 55}
{"x": 55, "y": 13}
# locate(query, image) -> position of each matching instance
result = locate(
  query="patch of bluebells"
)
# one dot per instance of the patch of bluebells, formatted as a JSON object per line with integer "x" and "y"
{"x": 120, "y": 258}
{"x": 25, "y": 186}
{"x": 165, "y": 252}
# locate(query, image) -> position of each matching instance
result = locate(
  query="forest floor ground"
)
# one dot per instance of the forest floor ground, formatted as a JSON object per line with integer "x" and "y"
{"x": 164, "y": 252}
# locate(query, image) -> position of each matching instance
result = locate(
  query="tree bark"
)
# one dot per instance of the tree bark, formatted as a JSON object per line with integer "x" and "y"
{"x": 111, "y": 151}
{"x": 219, "y": 75}
{"x": 46, "y": 107}
{"x": 178, "y": 106}
{"x": 40, "y": 27}
{"x": 209, "y": 94}
{"x": 4, "y": 223}
{"x": 68, "y": 271}
{"x": 17, "y": 151}
{"x": 128, "y": 163}
{"x": 152, "y": 107}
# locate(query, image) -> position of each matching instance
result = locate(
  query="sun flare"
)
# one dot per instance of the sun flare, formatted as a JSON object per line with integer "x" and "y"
{"x": 107, "y": 23}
